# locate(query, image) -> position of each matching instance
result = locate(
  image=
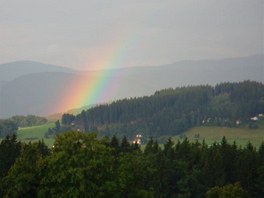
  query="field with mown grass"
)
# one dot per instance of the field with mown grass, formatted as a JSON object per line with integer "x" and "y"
{"x": 215, "y": 134}
{"x": 211, "y": 134}
{"x": 35, "y": 133}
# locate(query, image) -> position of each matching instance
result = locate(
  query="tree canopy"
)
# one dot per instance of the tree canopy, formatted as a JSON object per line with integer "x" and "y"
{"x": 83, "y": 165}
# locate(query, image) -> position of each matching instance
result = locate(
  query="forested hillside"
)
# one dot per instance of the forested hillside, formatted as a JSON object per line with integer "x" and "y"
{"x": 173, "y": 111}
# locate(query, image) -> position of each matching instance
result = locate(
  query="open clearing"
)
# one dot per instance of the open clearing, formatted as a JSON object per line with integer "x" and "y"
{"x": 35, "y": 133}
{"x": 215, "y": 134}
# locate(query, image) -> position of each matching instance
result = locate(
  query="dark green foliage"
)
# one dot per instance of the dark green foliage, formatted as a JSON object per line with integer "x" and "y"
{"x": 151, "y": 147}
{"x": 125, "y": 146}
{"x": 57, "y": 129}
{"x": 23, "y": 179}
{"x": 227, "y": 191}
{"x": 67, "y": 119}
{"x": 57, "y": 126}
{"x": 84, "y": 121}
{"x": 83, "y": 165}
{"x": 130, "y": 173}
{"x": 7, "y": 127}
{"x": 114, "y": 143}
{"x": 9, "y": 151}
{"x": 259, "y": 181}
{"x": 169, "y": 150}
{"x": 173, "y": 111}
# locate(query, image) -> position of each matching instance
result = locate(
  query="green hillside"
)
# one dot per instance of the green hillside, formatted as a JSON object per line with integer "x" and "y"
{"x": 171, "y": 112}
{"x": 35, "y": 133}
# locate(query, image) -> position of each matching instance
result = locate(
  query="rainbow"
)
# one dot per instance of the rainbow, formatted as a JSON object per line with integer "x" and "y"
{"x": 99, "y": 85}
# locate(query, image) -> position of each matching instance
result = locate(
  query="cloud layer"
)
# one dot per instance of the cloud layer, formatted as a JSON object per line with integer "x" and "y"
{"x": 82, "y": 33}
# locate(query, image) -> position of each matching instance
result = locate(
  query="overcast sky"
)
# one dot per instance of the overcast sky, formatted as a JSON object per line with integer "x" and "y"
{"x": 88, "y": 34}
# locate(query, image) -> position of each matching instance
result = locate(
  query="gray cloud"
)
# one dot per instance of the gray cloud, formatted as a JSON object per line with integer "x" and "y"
{"x": 80, "y": 33}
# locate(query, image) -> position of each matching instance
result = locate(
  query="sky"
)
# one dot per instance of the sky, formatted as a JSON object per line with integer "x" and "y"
{"x": 96, "y": 34}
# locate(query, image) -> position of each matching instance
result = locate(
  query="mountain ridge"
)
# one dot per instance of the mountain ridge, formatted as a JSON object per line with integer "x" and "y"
{"x": 10, "y": 71}
{"x": 46, "y": 88}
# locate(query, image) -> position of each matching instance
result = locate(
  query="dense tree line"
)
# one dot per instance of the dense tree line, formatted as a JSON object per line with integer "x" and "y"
{"x": 29, "y": 120}
{"x": 173, "y": 111}
{"x": 57, "y": 129}
{"x": 82, "y": 165}
{"x": 9, "y": 151}
{"x": 7, "y": 127}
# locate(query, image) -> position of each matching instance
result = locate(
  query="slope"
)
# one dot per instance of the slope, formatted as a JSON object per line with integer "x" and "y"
{"x": 173, "y": 111}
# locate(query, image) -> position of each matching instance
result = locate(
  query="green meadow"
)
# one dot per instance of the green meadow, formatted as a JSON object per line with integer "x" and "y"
{"x": 35, "y": 133}
{"x": 215, "y": 134}
{"x": 210, "y": 134}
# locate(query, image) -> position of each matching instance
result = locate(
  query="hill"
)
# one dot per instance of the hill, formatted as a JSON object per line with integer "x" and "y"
{"x": 173, "y": 111}
{"x": 14, "y": 74}
{"x": 33, "y": 93}
{"x": 41, "y": 93}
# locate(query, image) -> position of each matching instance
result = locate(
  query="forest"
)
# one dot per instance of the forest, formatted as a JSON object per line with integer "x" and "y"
{"x": 172, "y": 111}
{"x": 83, "y": 165}
{"x": 29, "y": 120}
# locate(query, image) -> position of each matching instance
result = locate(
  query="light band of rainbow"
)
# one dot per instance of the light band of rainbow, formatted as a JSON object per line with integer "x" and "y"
{"x": 100, "y": 84}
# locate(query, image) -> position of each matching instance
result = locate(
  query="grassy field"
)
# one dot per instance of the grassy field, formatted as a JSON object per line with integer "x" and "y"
{"x": 35, "y": 133}
{"x": 210, "y": 134}
{"x": 215, "y": 134}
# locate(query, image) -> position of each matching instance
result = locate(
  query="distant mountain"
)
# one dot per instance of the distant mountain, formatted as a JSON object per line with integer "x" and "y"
{"x": 10, "y": 71}
{"x": 38, "y": 93}
{"x": 200, "y": 72}
{"x": 35, "y": 90}
{"x": 33, "y": 93}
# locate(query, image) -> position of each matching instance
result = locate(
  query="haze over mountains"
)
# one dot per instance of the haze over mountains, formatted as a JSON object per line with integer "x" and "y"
{"x": 10, "y": 71}
{"x": 34, "y": 88}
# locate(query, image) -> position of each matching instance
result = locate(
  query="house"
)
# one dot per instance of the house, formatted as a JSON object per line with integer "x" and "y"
{"x": 137, "y": 139}
{"x": 254, "y": 118}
